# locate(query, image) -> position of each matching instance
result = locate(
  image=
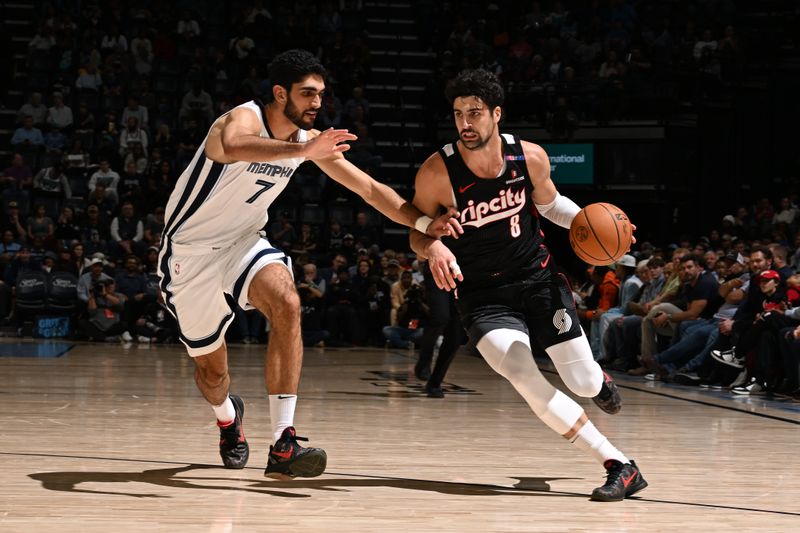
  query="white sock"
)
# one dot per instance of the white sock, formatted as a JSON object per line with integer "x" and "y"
{"x": 225, "y": 412}
{"x": 589, "y": 439}
{"x": 281, "y": 413}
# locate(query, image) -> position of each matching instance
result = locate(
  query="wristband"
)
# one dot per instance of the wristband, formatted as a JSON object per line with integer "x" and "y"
{"x": 422, "y": 223}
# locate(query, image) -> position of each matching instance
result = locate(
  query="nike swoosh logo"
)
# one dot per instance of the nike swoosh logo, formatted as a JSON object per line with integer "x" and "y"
{"x": 280, "y": 397}
{"x": 627, "y": 481}
{"x": 288, "y": 455}
{"x": 544, "y": 263}
{"x": 462, "y": 190}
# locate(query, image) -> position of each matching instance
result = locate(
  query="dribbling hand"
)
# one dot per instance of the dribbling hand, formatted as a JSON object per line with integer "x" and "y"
{"x": 446, "y": 225}
{"x": 327, "y": 143}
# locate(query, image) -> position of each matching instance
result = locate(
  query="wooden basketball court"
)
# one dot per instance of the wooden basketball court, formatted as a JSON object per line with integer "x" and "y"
{"x": 109, "y": 438}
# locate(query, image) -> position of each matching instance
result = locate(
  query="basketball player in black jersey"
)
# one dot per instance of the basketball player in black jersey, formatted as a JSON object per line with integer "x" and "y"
{"x": 506, "y": 279}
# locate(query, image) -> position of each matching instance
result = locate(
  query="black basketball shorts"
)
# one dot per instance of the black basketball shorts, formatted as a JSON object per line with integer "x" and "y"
{"x": 541, "y": 305}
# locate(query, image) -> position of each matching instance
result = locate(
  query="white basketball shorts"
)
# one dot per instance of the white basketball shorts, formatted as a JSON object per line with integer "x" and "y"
{"x": 200, "y": 286}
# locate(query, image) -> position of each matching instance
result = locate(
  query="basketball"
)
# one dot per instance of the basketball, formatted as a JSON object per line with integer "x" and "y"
{"x": 600, "y": 233}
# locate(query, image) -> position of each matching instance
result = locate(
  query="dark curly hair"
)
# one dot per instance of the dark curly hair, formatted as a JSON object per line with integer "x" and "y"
{"x": 292, "y": 66}
{"x": 477, "y": 82}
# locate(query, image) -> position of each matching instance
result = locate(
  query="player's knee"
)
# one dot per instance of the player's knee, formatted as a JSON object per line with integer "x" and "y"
{"x": 585, "y": 382}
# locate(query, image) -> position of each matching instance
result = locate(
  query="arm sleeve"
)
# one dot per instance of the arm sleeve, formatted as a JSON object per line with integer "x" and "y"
{"x": 560, "y": 211}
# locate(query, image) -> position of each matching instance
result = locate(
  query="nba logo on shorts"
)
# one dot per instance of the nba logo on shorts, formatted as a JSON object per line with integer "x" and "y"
{"x": 562, "y": 321}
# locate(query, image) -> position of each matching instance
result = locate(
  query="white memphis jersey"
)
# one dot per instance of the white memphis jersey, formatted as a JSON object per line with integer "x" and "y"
{"x": 215, "y": 204}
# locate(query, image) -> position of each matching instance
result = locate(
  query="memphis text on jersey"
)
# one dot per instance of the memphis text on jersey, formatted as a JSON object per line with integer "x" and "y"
{"x": 506, "y": 204}
{"x": 270, "y": 170}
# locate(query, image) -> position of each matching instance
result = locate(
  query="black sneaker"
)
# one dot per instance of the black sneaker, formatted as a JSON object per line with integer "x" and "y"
{"x": 608, "y": 398}
{"x": 233, "y": 447}
{"x": 434, "y": 391}
{"x": 622, "y": 480}
{"x": 288, "y": 460}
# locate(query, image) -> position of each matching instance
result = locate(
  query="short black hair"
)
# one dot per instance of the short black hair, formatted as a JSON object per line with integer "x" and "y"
{"x": 692, "y": 257}
{"x": 292, "y": 66}
{"x": 477, "y": 82}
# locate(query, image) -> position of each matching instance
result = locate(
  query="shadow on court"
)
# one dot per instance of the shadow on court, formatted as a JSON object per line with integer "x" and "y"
{"x": 192, "y": 477}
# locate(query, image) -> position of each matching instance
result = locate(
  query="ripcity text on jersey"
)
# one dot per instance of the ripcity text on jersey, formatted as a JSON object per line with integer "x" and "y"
{"x": 214, "y": 204}
{"x": 502, "y": 240}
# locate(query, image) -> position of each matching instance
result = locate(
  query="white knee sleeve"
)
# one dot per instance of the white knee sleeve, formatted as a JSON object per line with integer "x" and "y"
{"x": 508, "y": 352}
{"x": 577, "y": 367}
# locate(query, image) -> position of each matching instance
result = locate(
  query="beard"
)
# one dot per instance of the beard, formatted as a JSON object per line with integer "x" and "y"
{"x": 297, "y": 117}
{"x": 478, "y": 142}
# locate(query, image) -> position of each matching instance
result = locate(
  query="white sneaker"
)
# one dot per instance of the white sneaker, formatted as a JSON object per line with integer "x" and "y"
{"x": 142, "y": 339}
{"x": 727, "y": 357}
{"x": 752, "y": 388}
{"x": 126, "y": 337}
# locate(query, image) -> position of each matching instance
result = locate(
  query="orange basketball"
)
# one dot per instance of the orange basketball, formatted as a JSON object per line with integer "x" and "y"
{"x": 600, "y": 233}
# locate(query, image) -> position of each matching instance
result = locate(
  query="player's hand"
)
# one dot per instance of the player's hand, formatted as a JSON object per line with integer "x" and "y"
{"x": 442, "y": 262}
{"x": 633, "y": 238}
{"x": 327, "y": 143}
{"x": 446, "y": 225}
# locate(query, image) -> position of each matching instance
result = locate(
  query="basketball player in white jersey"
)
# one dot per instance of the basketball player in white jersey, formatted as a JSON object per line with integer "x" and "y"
{"x": 508, "y": 282}
{"x": 212, "y": 255}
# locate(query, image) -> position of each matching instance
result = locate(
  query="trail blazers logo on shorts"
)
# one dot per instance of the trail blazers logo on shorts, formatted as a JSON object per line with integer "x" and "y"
{"x": 562, "y": 321}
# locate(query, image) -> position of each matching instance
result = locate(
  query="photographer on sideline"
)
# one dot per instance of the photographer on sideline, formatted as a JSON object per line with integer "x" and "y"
{"x": 411, "y": 318}
{"x": 91, "y": 278}
{"x": 105, "y": 313}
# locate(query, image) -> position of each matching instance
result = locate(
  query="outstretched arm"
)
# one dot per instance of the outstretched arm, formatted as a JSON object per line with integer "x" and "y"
{"x": 386, "y": 200}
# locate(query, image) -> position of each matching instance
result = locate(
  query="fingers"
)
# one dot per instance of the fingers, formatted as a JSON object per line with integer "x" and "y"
{"x": 442, "y": 277}
{"x": 341, "y": 148}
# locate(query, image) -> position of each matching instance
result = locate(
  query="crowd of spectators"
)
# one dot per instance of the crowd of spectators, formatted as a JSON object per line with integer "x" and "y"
{"x": 565, "y": 62}
{"x": 121, "y": 98}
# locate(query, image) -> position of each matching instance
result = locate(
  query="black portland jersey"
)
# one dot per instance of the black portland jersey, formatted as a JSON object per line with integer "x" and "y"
{"x": 502, "y": 240}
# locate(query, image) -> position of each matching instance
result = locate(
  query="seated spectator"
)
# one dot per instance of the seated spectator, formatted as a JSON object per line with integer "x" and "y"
{"x": 54, "y": 144}
{"x": 130, "y": 135}
{"x": 306, "y": 243}
{"x": 9, "y": 247}
{"x": 27, "y": 136}
{"x": 137, "y": 111}
{"x": 606, "y": 292}
{"x": 104, "y": 306}
{"x": 282, "y": 232}
{"x": 33, "y": 108}
{"x": 154, "y": 227}
{"x": 51, "y": 182}
{"x": 311, "y": 289}
{"x": 59, "y": 114}
{"x": 138, "y": 157}
{"x": 699, "y": 298}
{"x": 18, "y": 176}
{"x": 89, "y": 79}
{"x": 91, "y": 278}
{"x": 95, "y": 232}
{"x": 197, "y": 105}
{"x": 410, "y": 319}
{"x": 127, "y": 231}
{"x": 631, "y": 284}
{"x": 133, "y": 284}
{"x": 67, "y": 229}
{"x": 156, "y": 325}
{"x": 106, "y": 177}
{"x": 130, "y": 184}
{"x": 11, "y": 222}
{"x": 398, "y": 294}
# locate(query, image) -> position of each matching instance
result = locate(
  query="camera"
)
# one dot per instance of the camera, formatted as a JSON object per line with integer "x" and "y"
{"x": 413, "y": 294}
